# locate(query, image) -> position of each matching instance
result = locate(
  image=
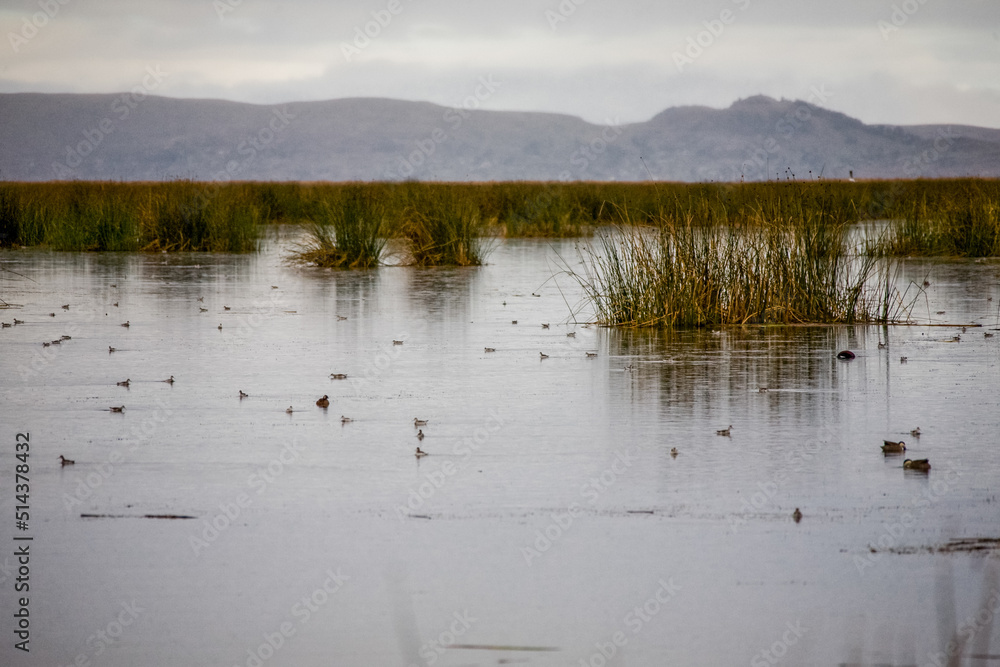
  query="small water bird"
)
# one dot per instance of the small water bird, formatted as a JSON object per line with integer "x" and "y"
{"x": 345, "y": 420}
{"x": 797, "y": 515}
{"x": 420, "y": 453}
{"x": 986, "y": 334}
{"x": 110, "y": 349}
{"x": 591, "y": 354}
{"x": 542, "y": 355}
{"x": 52, "y": 314}
{"x": 220, "y": 326}
{"x": 323, "y": 402}
{"x": 882, "y": 345}
{"x": 397, "y": 342}
{"x": 46, "y": 344}
{"x": 340, "y": 317}
{"x": 65, "y": 461}
{"x": 571, "y": 334}
{"x": 120, "y": 408}
{"x": 761, "y": 390}
{"x": 927, "y": 283}
{"x": 5, "y": 325}
{"x": 674, "y": 452}
{"x": 115, "y": 304}
{"x": 226, "y": 308}
{"x": 890, "y": 447}
{"x": 201, "y": 299}
{"x": 724, "y": 431}
{"x": 419, "y": 422}
{"x": 338, "y": 376}
{"x": 126, "y": 324}
{"x": 169, "y": 380}
{"x": 65, "y": 337}
{"x": 923, "y": 465}
{"x": 845, "y": 354}
{"x": 243, "y": 394}
{"x": 57, "y": 341}
{"x": 489, "y": 349}
{"x": 17, "y": 321}
{"x": 903, "y": 360}
{"x": 513, "y": 321}
{"x": 202, "y": 310}
{"x": 274, "y": 287}
{"x": 915, "y": 432}
{"x": 545, "y": 325}
{"x": 533, "y": 294}
{"x": 66, "y": 307}
{"x": 289, "y": 410}
{"x": 420, "y": 434}
{"x": 125, "y": 383}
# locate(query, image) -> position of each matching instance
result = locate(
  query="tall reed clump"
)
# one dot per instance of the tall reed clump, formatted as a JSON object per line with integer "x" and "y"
{"x": 446, "y": 229}
{"x": 688, "y": 275}
{"x": 349, "y": 233}
{"x": 966, "y": 228}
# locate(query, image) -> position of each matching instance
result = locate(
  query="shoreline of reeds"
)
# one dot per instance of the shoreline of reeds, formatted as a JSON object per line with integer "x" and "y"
{"x": 454, "y": 223}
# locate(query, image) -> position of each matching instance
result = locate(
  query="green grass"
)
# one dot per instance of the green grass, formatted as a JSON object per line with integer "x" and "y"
{"x": 685, "y": 274}
{"x": 453, "y": 223}
{"x": 348, "y": 233}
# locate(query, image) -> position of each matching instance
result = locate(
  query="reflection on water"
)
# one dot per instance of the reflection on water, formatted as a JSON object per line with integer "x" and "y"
{"x": 550, "y": 513}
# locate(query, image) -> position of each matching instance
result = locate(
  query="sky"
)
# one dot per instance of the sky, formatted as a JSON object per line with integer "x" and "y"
{"x": 882, "y": 61}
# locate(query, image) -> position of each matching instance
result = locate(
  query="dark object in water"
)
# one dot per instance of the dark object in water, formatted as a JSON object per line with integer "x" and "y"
{"x": 845, "y": 354}
{"x": 922, "y": 465}
{"x": 797, "y": 515}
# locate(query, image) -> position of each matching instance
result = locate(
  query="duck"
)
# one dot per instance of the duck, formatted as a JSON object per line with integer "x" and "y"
{"x": 243, "y": 394}
{"x": 797, "y": 515}
{"x": 66, "y": 307}
{"x": 226, "y": 308}
{"x": 542, "y": 355}
{"x": 201, "y": 299}
{"x": 420, "y": 434}
{"x": 115, "y": 304}
{"x": 882, "y": 345}
{"x": 724, "y": 431}
{"x": 126, "y": 324}
{"x": 65, "y": 337}
{"x": 845, "y": 354}
{"x": 338, "y": 376}
{"x": 345, "y": 420}
{"x": 341, "y": 318}
{"x": 65, "y": 461}
{"x": 17, "y": 321}
{"x": 397, "y": 342}
{"x": 46, "y": 344}
{"x": 220, "y": 326}
{"x": 915, "y": 432}
{"x": 890, "y": 447}
{"x": 591, "y": 354}
{"x": 986, "y": 334}
{"x": 761, "y": 390}
{"x": 674, "y": 452}
{"x": 125, "y": 383}
{"x": 120, "y": 408}
{"x": 5, "y": 325}
{"x": 289, "y": 410}
{"x": 571, "y": 334}
{"x": 420, "y": 453}
{"x": 57, "y": 341}
{"x": 489, "y": 349}
{"x": 903, "y": 360}
{"x": 202, "y": 310}
{"x": 419, "y": 422}
{"x": 513, "y": 321}
{"x": 110, "y": 349}
{"x": 923, "y": 465}
{"x": 545, "y": 325}
{"x": 323, "y": 402}
{"x": 169, "y": 380}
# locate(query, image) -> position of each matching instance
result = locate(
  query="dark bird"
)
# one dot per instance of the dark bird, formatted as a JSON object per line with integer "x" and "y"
{"x": 923, "y": 465}
{"x": 324, "y": 402}
{"x": 890, "y": 447}
{"x": 65, "y": 461}
{"x": 797, "y": 515}
{"x": 420, "y": 453}
{"x": 845, "y": 354}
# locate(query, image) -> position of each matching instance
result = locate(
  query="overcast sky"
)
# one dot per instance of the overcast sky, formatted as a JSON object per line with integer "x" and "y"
{"x": 883, "y": 61}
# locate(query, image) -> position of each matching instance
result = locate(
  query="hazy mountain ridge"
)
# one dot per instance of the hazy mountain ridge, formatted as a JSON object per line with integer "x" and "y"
{"x": 119, "y": 137}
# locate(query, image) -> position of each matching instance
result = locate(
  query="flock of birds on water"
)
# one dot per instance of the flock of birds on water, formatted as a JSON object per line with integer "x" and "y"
{"x": 889, "y": 447}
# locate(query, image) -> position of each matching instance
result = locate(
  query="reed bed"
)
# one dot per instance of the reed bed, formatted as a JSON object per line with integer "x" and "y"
{"x": 952, "y": 217}
{"x": 348, "y": 233}
{"x": 684, "y": 274}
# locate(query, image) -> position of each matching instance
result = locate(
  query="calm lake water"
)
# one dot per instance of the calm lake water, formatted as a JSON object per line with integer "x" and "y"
{"x": 549, "y": 524}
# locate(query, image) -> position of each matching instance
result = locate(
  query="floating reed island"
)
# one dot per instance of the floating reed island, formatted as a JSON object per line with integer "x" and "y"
{"x": 348, "y": 224}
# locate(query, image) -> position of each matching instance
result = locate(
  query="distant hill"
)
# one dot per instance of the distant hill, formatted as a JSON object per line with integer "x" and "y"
{"x": 118, "y": 137}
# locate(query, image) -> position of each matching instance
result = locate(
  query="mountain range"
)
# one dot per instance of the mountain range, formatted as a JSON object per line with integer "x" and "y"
{"x": 131, "y": 136}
